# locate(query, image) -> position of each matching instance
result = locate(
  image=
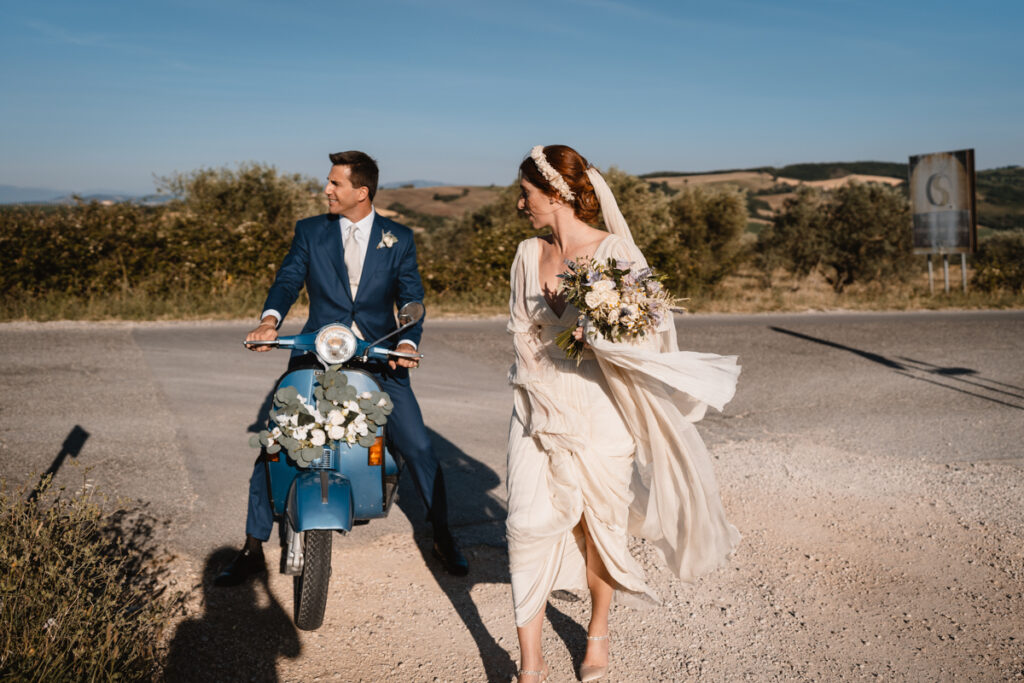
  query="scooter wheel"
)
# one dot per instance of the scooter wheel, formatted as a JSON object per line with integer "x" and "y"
{"x": 311, "y": 585}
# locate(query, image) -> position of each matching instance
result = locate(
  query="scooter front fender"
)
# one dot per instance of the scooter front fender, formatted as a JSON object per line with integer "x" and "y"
{"x": 320, "y": 499}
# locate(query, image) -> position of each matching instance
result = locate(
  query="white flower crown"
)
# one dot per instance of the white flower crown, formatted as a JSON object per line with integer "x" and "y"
{"x": 550, "y": 174}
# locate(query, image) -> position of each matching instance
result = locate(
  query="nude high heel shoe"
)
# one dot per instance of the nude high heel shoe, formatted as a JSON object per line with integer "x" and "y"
{"x": 589, "y": 672}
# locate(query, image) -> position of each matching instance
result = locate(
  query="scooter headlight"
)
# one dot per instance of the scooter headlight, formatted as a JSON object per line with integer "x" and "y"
{"x": 335, "y": 344}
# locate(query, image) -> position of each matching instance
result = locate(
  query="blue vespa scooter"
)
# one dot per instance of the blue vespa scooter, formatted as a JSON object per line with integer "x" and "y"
{"x": 341, "y": 484}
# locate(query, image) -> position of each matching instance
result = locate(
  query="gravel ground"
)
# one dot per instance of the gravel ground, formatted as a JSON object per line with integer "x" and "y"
{"x": 850, "y": 567}
{"x": 872, "y": 462}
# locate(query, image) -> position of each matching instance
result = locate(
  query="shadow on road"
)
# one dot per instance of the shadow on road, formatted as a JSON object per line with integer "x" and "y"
{"x": 235, "y": 638}
{"x": 478, "y": 522}
{"x": 572, "y": 634}
{"x": 995, "y": 391}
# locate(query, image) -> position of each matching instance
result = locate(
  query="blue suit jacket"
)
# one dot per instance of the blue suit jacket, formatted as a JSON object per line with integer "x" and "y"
{"x": 316, "y": 259}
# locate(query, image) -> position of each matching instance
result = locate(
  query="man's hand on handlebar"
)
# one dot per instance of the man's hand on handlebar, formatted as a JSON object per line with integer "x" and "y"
{"x": 404, "y": 362}
{"x": 267, "y": 331}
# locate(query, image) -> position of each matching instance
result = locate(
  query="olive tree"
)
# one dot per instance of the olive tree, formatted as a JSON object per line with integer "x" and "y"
{"x": 856, "y": 233}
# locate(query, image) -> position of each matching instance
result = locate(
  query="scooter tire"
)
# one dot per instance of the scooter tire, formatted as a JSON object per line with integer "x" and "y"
{"x": 311, "y": 585}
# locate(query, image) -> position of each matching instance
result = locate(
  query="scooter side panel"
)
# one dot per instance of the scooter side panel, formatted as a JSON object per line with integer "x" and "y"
{"x": 367, "y": 480}
{"x": 316, "y": 504}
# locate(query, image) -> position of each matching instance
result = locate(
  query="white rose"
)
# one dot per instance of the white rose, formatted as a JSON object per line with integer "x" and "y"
{"x": 318, "y": 437}
{"x": 336, "y": 432}
{"x": 335, "y": 418}
{"x": 603, "y": 286}
{"x": 610, "y": 298}
{"x": 301, "y": 433}
{"x": 351, "y": 406}
{"x": 593, "y": 299}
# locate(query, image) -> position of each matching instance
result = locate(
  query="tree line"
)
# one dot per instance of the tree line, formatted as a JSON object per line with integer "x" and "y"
{"x": 225, "y": 232}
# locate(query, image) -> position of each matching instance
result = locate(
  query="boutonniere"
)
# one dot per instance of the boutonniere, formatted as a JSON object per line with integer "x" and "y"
{"x": 388, "y": 240}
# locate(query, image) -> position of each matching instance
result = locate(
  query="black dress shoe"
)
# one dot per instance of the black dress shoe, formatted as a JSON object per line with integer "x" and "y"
{"x": 249, "y": 562}
{"x": 447, "y": 551}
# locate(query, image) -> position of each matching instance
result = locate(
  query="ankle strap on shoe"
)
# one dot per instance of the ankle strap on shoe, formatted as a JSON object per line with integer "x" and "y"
{"x": 604, "y": 637}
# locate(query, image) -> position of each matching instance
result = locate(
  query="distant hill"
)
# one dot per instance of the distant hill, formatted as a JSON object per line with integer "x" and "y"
{"x": 12, "y": 194}
{"x": 1001, "y": 198}
{"x": 1000, "y": 190}
{"x": 412, "y": 183}
{"x": 817, "y": 171}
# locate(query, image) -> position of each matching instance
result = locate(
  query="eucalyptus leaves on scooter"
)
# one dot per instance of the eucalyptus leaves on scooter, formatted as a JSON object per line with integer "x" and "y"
{"x": 325, "y": 452}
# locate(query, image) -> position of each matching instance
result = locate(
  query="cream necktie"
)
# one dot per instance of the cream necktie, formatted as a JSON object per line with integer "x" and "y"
{"x": 353, "y": 259}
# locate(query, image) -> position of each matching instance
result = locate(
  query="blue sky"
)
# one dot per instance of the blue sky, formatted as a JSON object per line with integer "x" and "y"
{"x": 103, "y": 95}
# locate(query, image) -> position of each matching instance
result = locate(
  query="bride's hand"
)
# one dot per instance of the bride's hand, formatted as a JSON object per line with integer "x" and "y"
{"x": 577, "y": 334}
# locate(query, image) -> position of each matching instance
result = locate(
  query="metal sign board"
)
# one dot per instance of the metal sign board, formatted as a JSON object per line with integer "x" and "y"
{"x": 942, "y": 200}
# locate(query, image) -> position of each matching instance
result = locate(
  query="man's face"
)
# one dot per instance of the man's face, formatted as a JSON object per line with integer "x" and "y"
{"x": 342, "y": 198}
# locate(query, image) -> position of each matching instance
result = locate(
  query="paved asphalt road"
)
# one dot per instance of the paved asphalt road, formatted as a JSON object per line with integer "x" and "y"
{"x": 160, "y": 412}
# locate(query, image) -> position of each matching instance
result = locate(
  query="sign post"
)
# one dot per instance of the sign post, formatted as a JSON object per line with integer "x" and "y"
{"x": 942, "y": 200}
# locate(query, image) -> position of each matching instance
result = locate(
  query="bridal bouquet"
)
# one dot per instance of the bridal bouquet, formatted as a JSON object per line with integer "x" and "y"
{"x": 622, "y": 303}
{"x": 335, "y": 411}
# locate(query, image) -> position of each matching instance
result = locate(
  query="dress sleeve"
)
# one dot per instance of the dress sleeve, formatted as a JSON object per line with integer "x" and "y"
{"x": 544, "y": 417}
{"x": 529, "y": 351}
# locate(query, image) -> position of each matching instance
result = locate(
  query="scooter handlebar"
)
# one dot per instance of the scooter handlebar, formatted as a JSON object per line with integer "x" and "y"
{"x": 383, "y": 353}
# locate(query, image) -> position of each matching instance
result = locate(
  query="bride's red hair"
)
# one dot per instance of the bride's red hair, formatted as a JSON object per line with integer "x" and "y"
{"x": 573, "y": 167}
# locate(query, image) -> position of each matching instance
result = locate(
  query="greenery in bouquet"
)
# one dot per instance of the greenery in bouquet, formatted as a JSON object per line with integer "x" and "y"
{"x": 335, "y": 412}
{"x": 621, "y": 302}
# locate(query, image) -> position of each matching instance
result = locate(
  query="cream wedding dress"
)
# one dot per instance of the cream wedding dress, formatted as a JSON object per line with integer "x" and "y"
{"x": 612, "y": 442}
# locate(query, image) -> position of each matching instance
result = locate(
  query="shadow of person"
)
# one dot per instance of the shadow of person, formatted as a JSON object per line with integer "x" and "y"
{"x": 477, "y": 519}
{"x": 572, "y": 634}
{"x": 236, "y": 637}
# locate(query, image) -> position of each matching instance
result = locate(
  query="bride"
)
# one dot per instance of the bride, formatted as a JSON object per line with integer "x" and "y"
{"x": 606, "y": 447}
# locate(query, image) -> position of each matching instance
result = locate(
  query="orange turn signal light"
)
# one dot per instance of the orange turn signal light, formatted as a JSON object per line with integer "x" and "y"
{"x": 376, "y": 457}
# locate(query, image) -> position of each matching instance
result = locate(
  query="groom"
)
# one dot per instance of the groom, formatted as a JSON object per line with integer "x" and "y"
{"x": 357, "y": 267}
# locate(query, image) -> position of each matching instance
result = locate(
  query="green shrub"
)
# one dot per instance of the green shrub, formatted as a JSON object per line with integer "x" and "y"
{"x": 80, "y": 591}
{"x": 701, "y": 244}
{"x": 226, "y": 229}
{"x": 473, "y": 255}
{"x": 451, "y": 197}
{"x": 693, "y": 238}
{"x": 999, "y": 263}
{"x": 856, "y": 233}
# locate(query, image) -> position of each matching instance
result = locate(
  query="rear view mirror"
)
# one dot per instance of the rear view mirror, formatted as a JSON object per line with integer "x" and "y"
{"x": 411, "y": 313}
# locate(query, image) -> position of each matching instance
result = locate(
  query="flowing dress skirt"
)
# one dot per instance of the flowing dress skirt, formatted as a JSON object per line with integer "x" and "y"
{"x": 548, "y": 496}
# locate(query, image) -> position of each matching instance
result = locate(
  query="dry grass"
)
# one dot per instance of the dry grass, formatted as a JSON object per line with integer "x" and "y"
{"x": 745, "y": 293}
{"x": 746, "y": 180}
{"x": 833, "y": 183}
{"x": 422, "y": 199}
